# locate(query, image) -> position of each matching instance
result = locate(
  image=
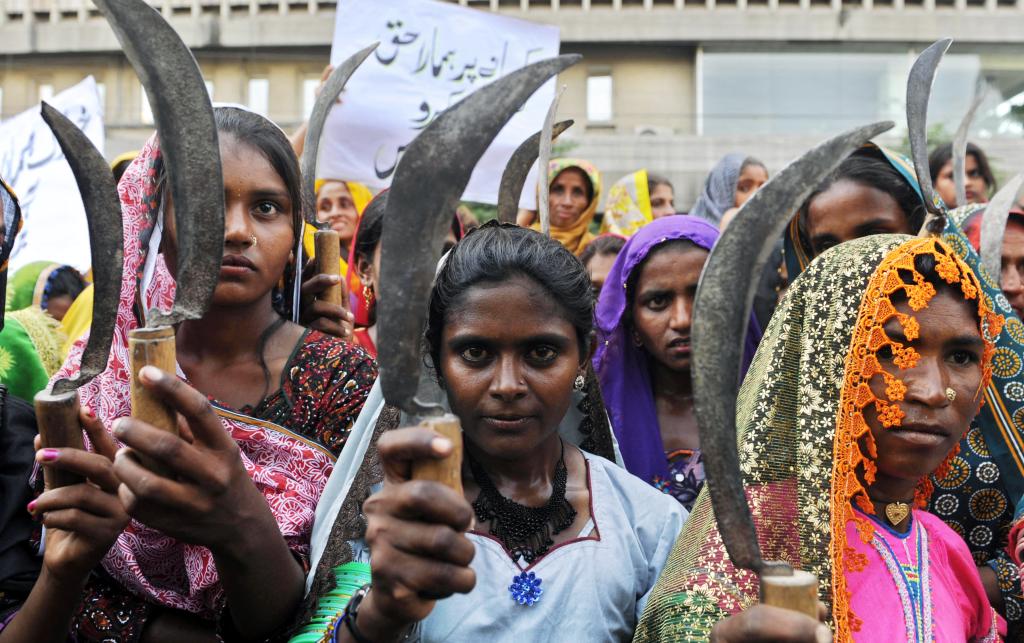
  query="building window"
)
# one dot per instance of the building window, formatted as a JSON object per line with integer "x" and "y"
{"x": 599, "y": 98}
{"x": 46, "y": 92}
{"x": 146, "y": 112}
{"x": 309, "y": 86}
{"x": 259, "y": 95}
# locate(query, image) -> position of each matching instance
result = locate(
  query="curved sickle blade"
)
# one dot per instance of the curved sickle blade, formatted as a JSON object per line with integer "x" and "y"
{"x": 188, "y": 142}
{"x": 993, "y": 225}
{"x": 321, "y": 108}
{"x": 960, "y": 150}
{"x": 430, "y": 178}
{"x": 518, "y": 169}
{"x": 919, "y": 90}
{"x": 106, "y": 241}
{"x": 720, "y": 326}
{"x": 543, "y": 160}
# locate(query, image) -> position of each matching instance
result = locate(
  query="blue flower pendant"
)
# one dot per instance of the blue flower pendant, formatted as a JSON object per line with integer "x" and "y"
{"x": 526, "y": 589}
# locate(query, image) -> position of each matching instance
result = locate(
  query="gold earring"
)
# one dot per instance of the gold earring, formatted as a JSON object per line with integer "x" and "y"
{"x": 950, "y": 394}
{"x": 368, "y": 296}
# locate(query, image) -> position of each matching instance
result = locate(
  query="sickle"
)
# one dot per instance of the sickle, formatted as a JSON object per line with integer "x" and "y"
{"x": 720, "y": 327}
{"x": 919, "y": 90}
{"x": 430, "y": 178}
{"x": 543, "y": 205}
{"x": 321, "y": 108}
{"x": 993, "y": 226}
{"x": 514, "y": 177}
{"x": 960, "y": 150}
{"x": 106, "y": 241}
{"x": 189, "y": 144}
{"x": 11, "y": 212}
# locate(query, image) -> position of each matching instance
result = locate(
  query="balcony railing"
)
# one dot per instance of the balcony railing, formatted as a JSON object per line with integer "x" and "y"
{"x": 66, "y": 10}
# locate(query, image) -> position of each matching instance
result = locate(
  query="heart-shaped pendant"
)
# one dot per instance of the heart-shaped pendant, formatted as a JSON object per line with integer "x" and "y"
{"x": 896, "y": 512}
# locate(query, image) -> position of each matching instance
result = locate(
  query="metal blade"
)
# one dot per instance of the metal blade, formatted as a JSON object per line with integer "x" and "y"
{"x": 430, "y": 178}
{"x": 106, "y": 241}
{"x": 720, "y": 326}
{"x": 919, "y": 90}
{"x": 188, "y": 142}
{"x": 543, "y": 206}
{"x": 10, "y": 210}
{"x": 960, "y": 150}
{"x": 993, "y": 226}
{"x": 321, "y": 108}
{"x": 514, "y": 177}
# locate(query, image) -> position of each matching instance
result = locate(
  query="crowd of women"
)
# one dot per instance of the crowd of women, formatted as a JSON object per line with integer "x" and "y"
{"x": 285, "y": 508}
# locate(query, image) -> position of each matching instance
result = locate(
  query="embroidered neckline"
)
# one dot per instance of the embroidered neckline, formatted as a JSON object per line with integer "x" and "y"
{"x": 913, "y": 584}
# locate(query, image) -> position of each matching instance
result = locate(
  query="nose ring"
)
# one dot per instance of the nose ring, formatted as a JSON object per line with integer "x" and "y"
{"x": 950, "y": 394}
{"x": 255, "y": 241}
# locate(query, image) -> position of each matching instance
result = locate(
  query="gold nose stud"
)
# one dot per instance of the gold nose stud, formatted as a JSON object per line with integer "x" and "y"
{"x": 950, "y": 394}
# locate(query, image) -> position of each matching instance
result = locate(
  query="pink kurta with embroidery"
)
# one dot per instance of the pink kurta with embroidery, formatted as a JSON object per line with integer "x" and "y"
{"x": 949, "y": 604}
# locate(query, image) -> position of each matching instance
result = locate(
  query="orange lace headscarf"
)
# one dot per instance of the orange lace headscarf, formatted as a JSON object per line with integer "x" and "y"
{"x": 806, "y": 453}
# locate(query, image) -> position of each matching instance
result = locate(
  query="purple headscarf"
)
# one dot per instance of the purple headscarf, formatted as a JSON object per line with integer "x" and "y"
{"x": 622, "y": 367}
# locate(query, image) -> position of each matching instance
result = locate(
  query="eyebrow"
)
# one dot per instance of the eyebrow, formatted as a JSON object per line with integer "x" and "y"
{"x": 270, "y": 194}
{"x": 971, "y": 341}
{"x": 554, "y": 339}
{"x": 867, "y": 225}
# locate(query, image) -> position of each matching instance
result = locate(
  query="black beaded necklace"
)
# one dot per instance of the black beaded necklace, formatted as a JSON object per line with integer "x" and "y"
{"x": 524, "y": 531}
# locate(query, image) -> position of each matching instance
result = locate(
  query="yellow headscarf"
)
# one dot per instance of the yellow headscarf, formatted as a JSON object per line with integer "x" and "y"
{"x": 361, "y": 196}
{"x": 576, "y": 236}
{"x": 629, "y": 205}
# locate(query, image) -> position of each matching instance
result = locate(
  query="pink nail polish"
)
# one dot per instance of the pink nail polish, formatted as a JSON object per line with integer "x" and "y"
{"x": 31, "y": 506}
{"x": 49, "y": 455}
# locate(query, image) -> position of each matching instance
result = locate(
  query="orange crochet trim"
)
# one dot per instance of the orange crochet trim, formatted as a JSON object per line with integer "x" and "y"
{"x": 855, "y": 450}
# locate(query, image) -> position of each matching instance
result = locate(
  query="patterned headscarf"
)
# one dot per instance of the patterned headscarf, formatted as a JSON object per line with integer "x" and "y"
{"x": 1001, "y": 419}
{"x": 719, "y": 193}
{"x": 629, "y": 205}
{"x": 289, "y": 470}
{"x": 801, "y": 431}
{"x": 577, "y": 235}
{"x": 622, "y": 367}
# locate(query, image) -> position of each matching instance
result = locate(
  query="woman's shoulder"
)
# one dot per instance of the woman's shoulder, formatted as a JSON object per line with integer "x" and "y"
{"x": 638, "y": 500}
{"x": 323, "y": 352}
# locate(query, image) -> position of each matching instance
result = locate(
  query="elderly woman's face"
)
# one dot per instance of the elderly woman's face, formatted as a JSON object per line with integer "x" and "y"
{"x": 950, "y": 348}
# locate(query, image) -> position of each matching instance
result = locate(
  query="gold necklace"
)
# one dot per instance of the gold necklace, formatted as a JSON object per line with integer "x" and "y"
{"x": 896, "y": 512}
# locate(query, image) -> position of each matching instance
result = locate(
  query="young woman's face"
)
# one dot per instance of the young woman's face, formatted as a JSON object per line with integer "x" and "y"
{"x": 950, "y": 348}
{"x": 335, "y": 206}
{"x": 848, "y": 211}
{"x": 977, "y": 188}
{"x": 663, "y": 201}
{"x": 510, "y": 381}
{"x": 663, "y": 303}
{"x": 751, "y": 178}
{"x": 567, "y": 197}
{"x": 258, "y": 234}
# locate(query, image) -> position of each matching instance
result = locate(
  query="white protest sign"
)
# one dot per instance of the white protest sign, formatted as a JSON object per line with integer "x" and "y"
{"x": 33, "y": 165}
{"x": 431, "y": 55}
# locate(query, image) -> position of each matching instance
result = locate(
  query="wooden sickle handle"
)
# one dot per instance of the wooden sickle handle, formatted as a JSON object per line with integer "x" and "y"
{"x": 59, "y": 427}
{"x": 152, "y": 347}
{"x": 328, "y": 262}
{"x": 798, "y": 592}
{"x": 447, "y": 471}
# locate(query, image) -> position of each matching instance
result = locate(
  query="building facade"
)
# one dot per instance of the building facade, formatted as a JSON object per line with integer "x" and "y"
{"x": 670, "y": 85}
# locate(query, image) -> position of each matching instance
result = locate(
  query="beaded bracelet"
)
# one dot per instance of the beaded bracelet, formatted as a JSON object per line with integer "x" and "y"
{"x": 349, "y": 578}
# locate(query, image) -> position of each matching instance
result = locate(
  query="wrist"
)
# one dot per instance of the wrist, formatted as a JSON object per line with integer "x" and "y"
{"x": 375, "y": 624}
{"x": 66, "y": 582}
